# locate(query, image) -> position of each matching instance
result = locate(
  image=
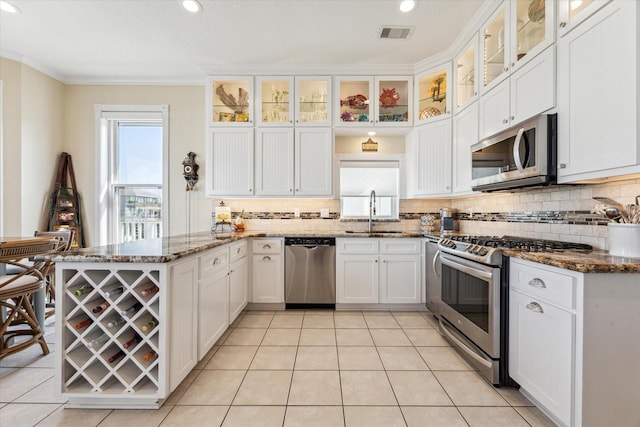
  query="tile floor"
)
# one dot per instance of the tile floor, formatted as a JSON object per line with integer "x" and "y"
{"x": 296, "y": 368}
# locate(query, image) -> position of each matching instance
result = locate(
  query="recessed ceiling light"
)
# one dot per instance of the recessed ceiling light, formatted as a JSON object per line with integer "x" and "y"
{"x": 371, "y": 133}
{"x": 192, "y": 6}
{"x": 8, "y": 7}
{"x": 407, "y": 5}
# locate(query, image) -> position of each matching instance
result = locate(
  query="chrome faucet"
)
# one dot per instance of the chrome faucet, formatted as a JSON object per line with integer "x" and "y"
{"x": 372, "y": 208}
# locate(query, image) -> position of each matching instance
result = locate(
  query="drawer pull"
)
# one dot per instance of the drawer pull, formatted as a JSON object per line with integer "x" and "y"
{"x": 239, "y": 250}
{"x": 266, "y": 246}
{"x": 537, "y": 283}
{"x": 216, "y": 261}
{"x": 535, "y": 307}
{"x": 266, "y": 258}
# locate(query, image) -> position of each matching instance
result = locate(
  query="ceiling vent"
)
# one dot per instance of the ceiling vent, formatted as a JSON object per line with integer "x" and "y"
{"x": 395, "y": 32}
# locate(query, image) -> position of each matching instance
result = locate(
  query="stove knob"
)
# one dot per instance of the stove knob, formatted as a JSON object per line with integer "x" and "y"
{"x": 483, "y": 251}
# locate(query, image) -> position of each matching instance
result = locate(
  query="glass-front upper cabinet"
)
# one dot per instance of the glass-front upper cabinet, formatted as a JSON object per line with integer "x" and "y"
{"x": 431, "y": 90}
{"x": 354, "y": 95}
{"x": 230, "y": 101}
{"x": 572, "y": 12}
{"x": 313, "y": 96}
{"x": 274, "y": 96}
{"x": 465, "y": 72}
{"x": 394, "y": 95}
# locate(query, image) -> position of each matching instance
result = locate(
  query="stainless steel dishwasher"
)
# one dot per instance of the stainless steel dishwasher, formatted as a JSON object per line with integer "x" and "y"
{"x": 310, "y": 272}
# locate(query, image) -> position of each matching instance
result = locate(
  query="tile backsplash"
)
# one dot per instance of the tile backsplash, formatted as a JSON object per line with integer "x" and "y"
{"x": 561, "y": 212}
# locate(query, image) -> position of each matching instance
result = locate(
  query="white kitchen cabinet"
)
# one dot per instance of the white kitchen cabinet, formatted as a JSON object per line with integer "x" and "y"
{"x": 230, "y": 101}
{"x": 213, "y": 299}
{"x": 466, "y": 75}
{"x": 400, "y": 279}
{"x": 313, "y": 101}
{"x": 432, "y": 94}
{"x": 268, "y": 271}
{"x": 598, "y": 135}
{"x": 429, "y": 163}
{"x": 571, "y": 13}
{"x": 238, "y": 279}
{"x": 571, "y": 345}
{"x": 229, "y": 162}
{"x": 465, "y": 134}
{"x": 357, "y": 279}
{"x": 288, "y": 166}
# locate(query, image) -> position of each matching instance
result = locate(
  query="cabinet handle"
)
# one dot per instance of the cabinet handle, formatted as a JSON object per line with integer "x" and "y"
{"x": 376, "y": 261}
{"x": 297, "y": 189}
{"x": 538, "y": 283}
{"x": 266, "y": 246}
{"x": 505, "y": 121}
{"x": 563, "y": 165}
{"x": 291, "y": 190}
{"x": 512, "y": 118}
{"x": 239, "y": 250}
{"x": 506, "y": 68}
{"x": 216, "y": 261}
{"x": 266, "y": 258}
{"x": 475, "y": 93}
{"x": 563, "y": 24}
{"x": 535, "y": 307}
{"x": 250, "y": 190}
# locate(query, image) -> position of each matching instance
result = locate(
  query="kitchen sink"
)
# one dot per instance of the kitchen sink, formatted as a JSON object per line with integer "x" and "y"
{"x": 373, "y": 232}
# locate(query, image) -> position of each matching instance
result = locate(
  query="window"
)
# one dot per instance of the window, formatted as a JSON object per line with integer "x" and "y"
{"x": 358, "y": 181}
{"x": 133, "y": 144}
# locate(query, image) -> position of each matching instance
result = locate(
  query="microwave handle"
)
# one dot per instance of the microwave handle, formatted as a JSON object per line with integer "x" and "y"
{"x": 516, "y": 150}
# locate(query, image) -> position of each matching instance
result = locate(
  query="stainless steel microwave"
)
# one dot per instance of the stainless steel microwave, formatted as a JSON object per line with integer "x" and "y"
{"x": 522, "y": 156}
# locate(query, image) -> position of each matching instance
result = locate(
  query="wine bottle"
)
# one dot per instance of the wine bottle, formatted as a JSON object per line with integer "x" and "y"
{"x": 150, "y": 325}
{"x": 132, "y": 310}
{"x": 100, "y": 308}
{"x": 115, "y": 323}
{"x": 81, "y": 324}
{"x": 116, "y": 356}
{"x": 114, "y": 292}
{"x": 96, "y": 342}
{"x": 149, "y": 291}
{"x": 149, "y": 355}
{"x": 84, "y": 289}
{"x": 133, "y": 341}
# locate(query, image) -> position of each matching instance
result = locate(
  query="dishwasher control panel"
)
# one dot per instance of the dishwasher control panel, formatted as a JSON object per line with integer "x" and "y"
{"x": 309, "y": 241}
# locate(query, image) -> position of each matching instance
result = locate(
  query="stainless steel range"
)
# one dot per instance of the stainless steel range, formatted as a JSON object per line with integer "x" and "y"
{"x": 474, "y": 306}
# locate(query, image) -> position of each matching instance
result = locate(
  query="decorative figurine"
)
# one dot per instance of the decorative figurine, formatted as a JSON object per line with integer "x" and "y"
{"x": 190, "y": 170}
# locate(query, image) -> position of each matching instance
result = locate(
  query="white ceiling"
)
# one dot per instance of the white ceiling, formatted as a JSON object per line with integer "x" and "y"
{"x": 80, "y": 41}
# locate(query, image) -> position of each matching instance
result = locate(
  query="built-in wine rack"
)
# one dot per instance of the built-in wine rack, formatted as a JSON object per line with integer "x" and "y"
{"x": 110, "y": 334}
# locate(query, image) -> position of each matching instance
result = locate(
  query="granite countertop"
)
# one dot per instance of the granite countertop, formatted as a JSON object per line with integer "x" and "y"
{"x": 592, "y": 262}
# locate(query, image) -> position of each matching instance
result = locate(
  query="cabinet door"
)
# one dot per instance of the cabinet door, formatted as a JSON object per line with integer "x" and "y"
{"x": 357, "y": 279}
{"x": 313, "y": 101}
{"x": 238, "y": 283}
{"x": 213, "y": 310}
{"x": 532, "y": 87}
{"x": 268, "y": 280}
{"x": 230, "y": 101}
{"x": 394, "y": 101}
{"x": 532, "y": 28}
{"x": 431, "y": 94}
{"x": 541, "y": 352}
{"x": 432, "y": 150}
{"x": 465, "y": 134}
{"x": 353, "y": 96}
{"x": 599, "y": 139}
{"x": 466, "y": 75}
{"x": 183, "y": 327}
{"x": 274, "y": 101}
{"x": 230, "y": 160}
{"x": 274, "y": 162}
{"x": 572, "y": 12}
{"x": 495, "y": 37}
{"x": 314, "y": 160}
{"x": 401, "y": 279}
{"x": 494, "y": 110}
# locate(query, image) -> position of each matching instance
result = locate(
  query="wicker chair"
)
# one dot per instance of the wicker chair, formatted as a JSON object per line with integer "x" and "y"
{"x": 18, "y": 318}
{"x": 66, "y": 238}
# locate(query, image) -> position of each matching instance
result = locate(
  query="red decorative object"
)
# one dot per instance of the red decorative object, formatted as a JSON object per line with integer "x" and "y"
{"x": 358, "y": 102}
{"x": 389, "y": 97}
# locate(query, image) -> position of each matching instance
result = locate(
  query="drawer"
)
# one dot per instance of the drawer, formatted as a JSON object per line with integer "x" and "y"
{"x": 267, "y": 246}
{"x": 357, "y": 246}
{"x": 401, "y": 246}
{"x": 552, "y": 286}
{"x": 214, "y": 261}
{"x": 238, "y": 250}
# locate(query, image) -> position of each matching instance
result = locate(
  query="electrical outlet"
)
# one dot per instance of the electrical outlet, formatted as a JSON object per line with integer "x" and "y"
{"x": 296, "y": 212}
{"x": 324, "y": 213}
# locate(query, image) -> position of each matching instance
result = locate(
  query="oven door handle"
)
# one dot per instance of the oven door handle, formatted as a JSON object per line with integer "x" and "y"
{"x": 445, "y": 330}
{"x": 480, "y": 274}
{"x": 516, "y": 150}
{"x": 435, "y": 260}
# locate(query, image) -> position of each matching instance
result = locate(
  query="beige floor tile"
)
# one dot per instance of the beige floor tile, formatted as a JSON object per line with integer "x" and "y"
{"x": 373, "y": 416}
{"x": 353, "y": 337}
{"x": 401, "y": 359}
{"x": 311, "y": 388}
{"x": 513, "y": 396}
{"x": 534, "y": 416}
{"x": 433, "y": 320}
{"x": 207, "y": 357}
{"x": 359, "y": 359}
{"x": 136, "y": 417}
{"x": 437, "y": 416}
{"x": 317, "y": 321}
{"x": 318, "y": 337}
{"x": 48, "y": 361}
{"x": 232, "y": 357}
{"x": 255, "y": 416}
{"x": 182, "y": 388}
{"x": 492, "y": 417}
{"x": 282, "y": 336}
{"x": 443, "y": 359}
{"x": 25, "y": 414}
{"x": 418, "y": 388}
{"x": 469, "y": 388}
{"x": 181, "y": 416}
{"x": 7, "y": 371}
{"x": 274, "y": 357}
{"x": 213, "y": 387}
{"x": 378, "y": 321}
{"x": 426, "y": 337}
{"x": 245, "y": 336}
{"x": 255, "y": 321}
{"x": 412, "y": 321}
{"x": 264, "y": 388}
{"x": 350, "y": 321}
{"x": 366, "y": 388}
{"x": 44, "y": 393}
{"x": 75, "y": 418}
{"x": 317, "y": 358}
{"x": 21, "y": 381}
{"x": 25, "y": 357}
{"x": 314, "y": 416}
{"x": 377, "y": 313}
{"x": 288, "y": 321}
{"x": 390, "y": 337}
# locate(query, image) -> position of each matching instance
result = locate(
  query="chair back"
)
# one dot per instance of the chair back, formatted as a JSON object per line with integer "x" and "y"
{"x": 65, "y": 235}
{"x": 18, "y": 252}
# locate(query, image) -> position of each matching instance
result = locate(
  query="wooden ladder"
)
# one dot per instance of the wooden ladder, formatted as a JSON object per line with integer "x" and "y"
{"x": 65, "y": 211}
